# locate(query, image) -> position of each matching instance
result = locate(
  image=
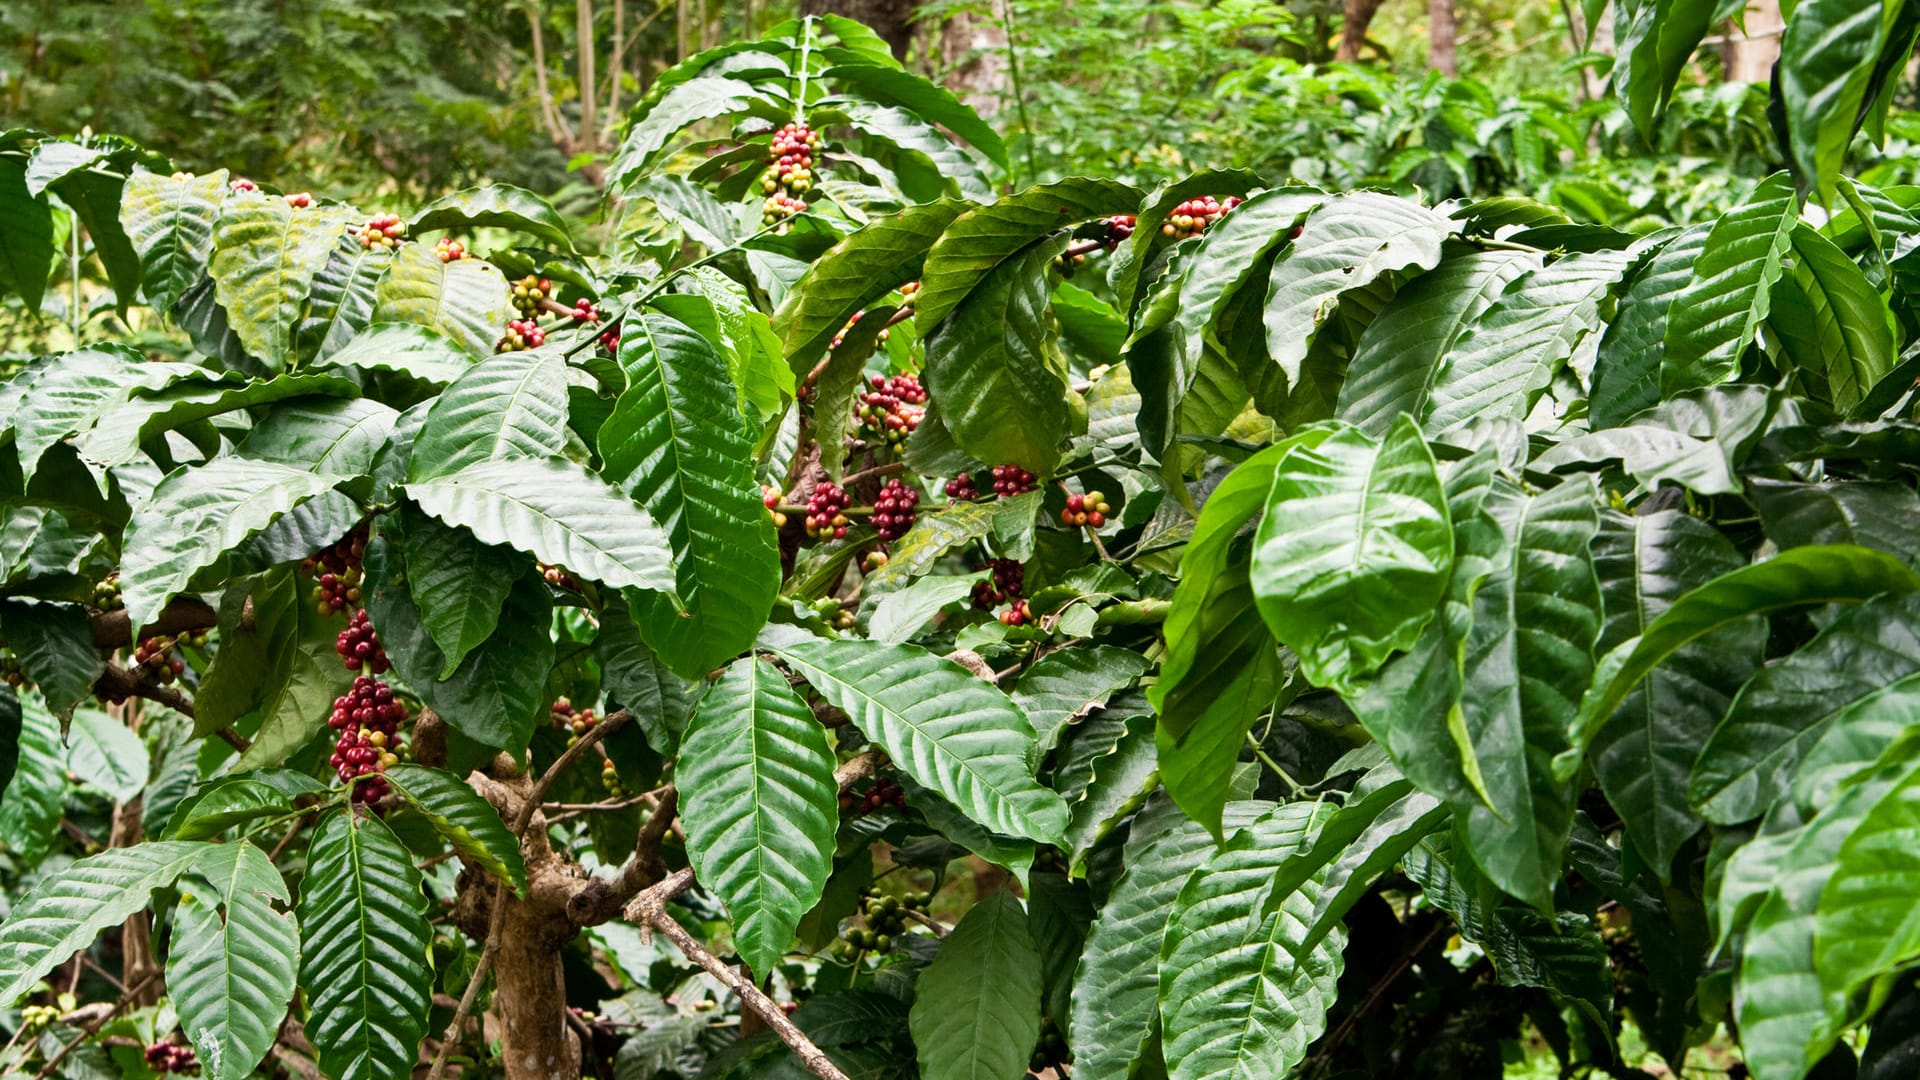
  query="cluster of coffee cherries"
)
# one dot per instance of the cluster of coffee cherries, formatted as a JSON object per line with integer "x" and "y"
{"x": 106, "y": 593}
{"x": 447, "y": 249}
{"x": 359, "y": 646}
{"x": 790, "y": 174}
{"x": 961, "y": 488}
{"x": 576, "y": 722}
{"x": 826, "y": 511}
{"x": 909, "y": 294}
{"x": 167, "y": 1056}
{"x": 1192, "y": 217}
{"x": 853, "y": 320}
{"x": 610, "y": 779}
{"x": 893, "y": 509}
{"x": 1050, "y": 1051}
{"x": 771, "y": 497}
{"x": 1010, "y": 480}
{"x": 337, "y": 571}
{"x": 610, "y": 337}
{"x": 891, "y": 409}
{"x": 778, "y": 208}
{"x": 153, "y": 656}
{"x": 299, "y": 200}
{"x": 529, "y": 293}
{"x": 584, "y": 311}
{"x": 521, "y": 334}
{"x": 882, "y": 792}
{"x": 1007, "y": 581}
{"x": 559, "y": 578}
{"x": 834, "y": 613}
{"x": 368, "y": 719}
{"x": 12, "y": 672}
{"x": 1017, "y": 614}
{"x": 886, "y": 919}
{"x": 1119, "y": 227}
{"x": 1090, "y": 510}
{"x": 241, "y": 184}
{"x": 381, "y": 231}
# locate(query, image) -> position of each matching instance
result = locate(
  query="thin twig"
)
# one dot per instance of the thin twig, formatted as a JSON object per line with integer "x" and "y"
{"x": 574, "y": 753}
{"x": 1374, "y": 995}
{"x": 94, "y": 1026}
{"x": 939, "y": 928}
{"x": 649, "y": 910}
{"x": 887, "y": 469}
{"x": 495, "y": 920}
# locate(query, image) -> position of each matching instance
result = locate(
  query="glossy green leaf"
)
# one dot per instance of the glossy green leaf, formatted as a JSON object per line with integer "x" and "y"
{"x": 1655, "y": 40}
{"x": 996, "y": 366}
{"x": 334, "y": 436}
{"x": 198, "y": 515}
{"x": 497, "y": 206}
{"x": 1353, "y": 552}
{"x": 1714, "y": 318}
{"x": 1064, "y": 685}
{"x": 691, "y": 467}
{"x": 919, "y": 147}
{"x": 1399, "y": 354}
{"x": 1343, "y": 245}
{"x": 976, "y": 1008}
{"x": 930, "y": 101}
{"x": 71, "y": 906}
{"x": 207, "y": 813}
{"x": 341, "y": 304}
{"x": 559, "y": 513}
{"x": 265, "y": 256}
{"x": 467, "y": 821}
{"x": 364, "y": 939}
{"x": 1645, "y": 752}
{"x": 758, "y": 800}
{"x": 170, "y": 222}
{"x": 1851, "y": 324}
{"x": 231, "y": 978}
{"x": 869, "y": 263}
{"x": 459, "y": 584}
{"x": 106, "y": 755}
{"x": 415, "y": 351}
{"x": 117, "y": 438}
{"x": 1130, "y": 260}
{"x": 1627, "y": 367}
{"x": 1864, "y": 925}
{"x": 936, "y": 535}
{"x": 1827, "y": 56}
{"x": 1695, "y": 439}
{"x": 657, "y": 121}
{"x": 939, "y": 723}
{"x": 75, "y": 391}
{"x": 467, "y": 299}
{"x": 1121, "y": 772}
{"x": 54, "y": 644}
{"x": 509, "y": 406}
{"x": 26, "y": 235}
{"x": 1875, "y": 514}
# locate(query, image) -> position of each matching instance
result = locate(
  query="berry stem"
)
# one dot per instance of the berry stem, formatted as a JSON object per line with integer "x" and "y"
{"x": 887, "y": 469}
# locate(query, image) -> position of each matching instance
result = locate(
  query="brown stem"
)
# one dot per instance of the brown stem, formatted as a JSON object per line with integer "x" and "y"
{"x": 114, "y": 629}
{"x": 93, "y": 1026}
{"x": 887, "y": 469}
{"x": 495, "y": 919}
{"x": 547, "y": 113}
{"x": 649, "y": 910}
{"x": 574, "y": 753}
{"x": 584, "y": 51}
{"x": 117, "y": 683}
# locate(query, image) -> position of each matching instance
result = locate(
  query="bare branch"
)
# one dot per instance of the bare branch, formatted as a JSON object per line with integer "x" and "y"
{"x": 114, "y": 629}
{"x": 586, "y": 742}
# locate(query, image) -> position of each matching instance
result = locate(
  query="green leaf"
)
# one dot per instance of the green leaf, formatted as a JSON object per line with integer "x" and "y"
{"x": 941, "y": 725}
{"x": 1714, "y": 318}
{"x": 54, "y": 644}
{"x": 94, "y": 196}
{"x": 1066, "y": 684}
{"x": 414, "y": 351}
{"x": 840, "y": 382}
{"x": 1344, "y": 245}
{"x": 1865, "y": 660}
{"x": 70, "y": 907}
{"x": 10, "y": 755}
{"x": 499, "y": 206}
{"x": 1827, "y": 57}
{"x": 494, "y": 694}
{"x": 929, "y": 101}
{"x": 1399, "y": 354}
{"x": 760, "y": 805}
{"x": 1851, "y": 324}
{"x": 1116, "y": 988}
{"x": 920, "y": 149}
{"x": 665, "y": 447}
{"x": 364, "y": 939}
{"x": 1796, "y": 578}
{"x": 1235, "y": 996}
{"x": 298, "y": 688}
{"x": 341, "y": 304}
{"x": 170, "y": 223}
{"x": 1353, "y": 553}
{"x": 1864, "y": 927}
{"x": 1645, "y": 752}
{"x": 902, "y": 613}
{"x": 107, "y": 756}
{"x": 464, "y": 819}
{"x": 1121, "y": 770}
{"x": 869, "y": 263}
{"x": 935, "y": 535}
{"x": 1627, "y": 368}
{"x": 655, "y": 122}
{"x": 995, "y": 364}
{"x": 1512, "y": 351}
{"x": 706, "y": 221}
{"x": 459, "y": 584}
{"x": 75, "y": 392}
{"x": 509, "y": 406}
{"x": 1695, "y": 439}
{"x": 117, "y": 439}
{"x": 1875, "y": 514}
{"x": 26, "y": 235}
{"x": 212, "y": 811}
{"x": 231, "y": 979}
{"x": 636, "y": 679}
{"x": 1130, "y": 260}
{"x": 1656, "y": 38}
{"x": 196, "y": 517}
{"x": 976, "y": 1008}
{"x": 340, "y": 437}
{"x": 1528, "y": 658}
{"x": 467, "y": 299}
{"x": 265, "y": 255}
{"x": 985, "y": 236}
{"x": 557, "y": 511}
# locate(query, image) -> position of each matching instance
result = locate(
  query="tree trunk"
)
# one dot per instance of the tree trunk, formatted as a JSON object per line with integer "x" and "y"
{"x": 891, "y": 19}
{"x": 1442, "y": 56}
{"x": 1749, "y": 56}
{"x": 973, "y": 53}
{"x": 1353, "y": 27}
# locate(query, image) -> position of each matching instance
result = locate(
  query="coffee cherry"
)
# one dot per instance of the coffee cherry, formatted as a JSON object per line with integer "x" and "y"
{"x": 771, "y": 497}
{"x": 576, "y": 722}
{"x": 584, "y": 311}
{"x": 875, "y": 560}
{"x": 381, "y": 231}
{"x": 610, "y": 338}
{"x": 106, "y": 593}
{"x": 521, "y": 334}
{"x": 826, "y": 519}
{"x": 12, "y": 672}
{"x": 558, "y": 577}
{"x": 961, "y": 487}
{"x": 1017, "y": 614}
{"x": 152, "y": 659}
{"x": 909, "y": 294}
{"x": 244, "y": 184}
{"x": 359, "y": 646}
{"x": 167, "y": 1056}
{"x": 610, "y": 780}
{"x": 1119, "y": 228}
{"x": 1010, "y": 480}
{"x": 778, "y": 208}
{"x": 789, "y": 171}
{"x": 893, "y": 509}
{"x": 1007, "y": 581}
{"x": 447, "y": 249}
{"x": 891, "y": 408}
{"x": 1088, "y": 510}
{"x": 299, "y": 200}
{"x": 528, "y": 293}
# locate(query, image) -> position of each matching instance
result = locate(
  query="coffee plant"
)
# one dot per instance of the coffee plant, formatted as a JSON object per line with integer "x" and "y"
{"x": 835, "y": 617}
